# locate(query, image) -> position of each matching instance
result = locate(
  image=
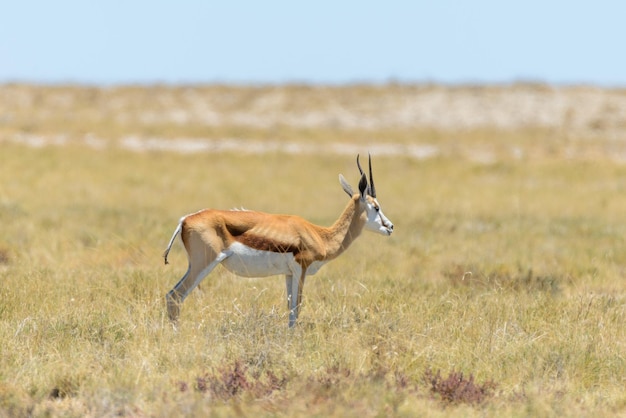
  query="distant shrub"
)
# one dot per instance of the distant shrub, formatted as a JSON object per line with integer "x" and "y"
{"x": 64, "y": 388}
{"x": 4, "y": 256}
{"x": 456, "y": 389}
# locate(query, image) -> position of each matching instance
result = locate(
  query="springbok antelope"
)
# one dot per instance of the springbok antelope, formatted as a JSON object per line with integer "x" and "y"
{"x": 257, "y": 244}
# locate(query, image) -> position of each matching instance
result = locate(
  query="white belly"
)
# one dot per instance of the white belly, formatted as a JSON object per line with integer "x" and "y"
{"x": 248, "y": 262}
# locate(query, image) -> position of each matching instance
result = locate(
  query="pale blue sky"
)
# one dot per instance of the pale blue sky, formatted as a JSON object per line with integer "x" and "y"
{"x": 481, "y": 41}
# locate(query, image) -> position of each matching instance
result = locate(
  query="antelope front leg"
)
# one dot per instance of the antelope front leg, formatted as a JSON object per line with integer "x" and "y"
{"x": 294, "y": 296}
{"x": 292, "y": 299}
{"x": 299, "y": 298}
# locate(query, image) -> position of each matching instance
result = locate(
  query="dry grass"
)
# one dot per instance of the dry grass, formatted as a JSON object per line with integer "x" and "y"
{"x": 504, "y": 277}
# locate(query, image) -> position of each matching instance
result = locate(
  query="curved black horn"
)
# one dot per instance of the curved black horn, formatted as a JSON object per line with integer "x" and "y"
{"x": 358, "y": 164}
{"x": 372, "y": 188}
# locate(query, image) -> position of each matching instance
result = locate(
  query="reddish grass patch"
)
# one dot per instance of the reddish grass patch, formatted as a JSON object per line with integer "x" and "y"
{"x": 456, "y": 389}
{"x": 233, "y": 380}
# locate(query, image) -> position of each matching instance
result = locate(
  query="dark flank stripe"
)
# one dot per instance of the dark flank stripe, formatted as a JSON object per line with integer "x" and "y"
{"x": 263, "y": 244}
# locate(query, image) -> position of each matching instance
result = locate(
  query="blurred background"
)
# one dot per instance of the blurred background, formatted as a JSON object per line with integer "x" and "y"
{"x": 219, "y": 76}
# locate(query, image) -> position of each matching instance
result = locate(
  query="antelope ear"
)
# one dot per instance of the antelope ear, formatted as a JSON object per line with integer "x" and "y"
{"x": 363, "y": 186}
{"x": 346, "y": 187}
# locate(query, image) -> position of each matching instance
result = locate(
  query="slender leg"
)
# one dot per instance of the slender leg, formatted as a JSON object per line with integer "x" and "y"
{"x": 288, "y": 278}
{"x": 174, "y": 299}
{"x": 292, "y": 299}
{"x": 190, "y": 280}
{"x": 300, "y": 287}
{"x": 294, "y": 295}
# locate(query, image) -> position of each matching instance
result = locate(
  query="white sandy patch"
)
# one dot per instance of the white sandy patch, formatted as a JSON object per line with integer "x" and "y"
{"x": 186, "y": 146}
{"x": 197, "y": 145}
{"x": 580, "y": 115}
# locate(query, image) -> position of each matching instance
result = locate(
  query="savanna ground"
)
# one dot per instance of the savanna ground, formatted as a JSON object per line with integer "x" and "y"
{"x": 500, "y": 293}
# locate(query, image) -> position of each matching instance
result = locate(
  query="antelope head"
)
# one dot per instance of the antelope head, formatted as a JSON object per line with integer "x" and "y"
{"x": 375, "y": 221}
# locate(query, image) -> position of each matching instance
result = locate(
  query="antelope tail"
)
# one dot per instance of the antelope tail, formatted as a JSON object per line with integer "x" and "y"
{"x": 177, "y": 231}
